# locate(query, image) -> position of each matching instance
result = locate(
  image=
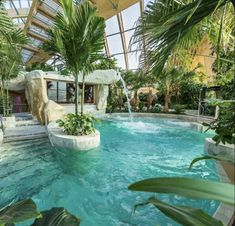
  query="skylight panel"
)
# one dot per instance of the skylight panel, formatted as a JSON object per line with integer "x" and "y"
{"x": 44, "y": 19}
{"x": 115, "y": 44}
{"x": 52, "y": 5}
{"x": 130, "y": 16}
{"x": 39, "y": 31}
{"x": 26, "y": 55}
{"x": 120, "y": 61}
{"x": 35, "y": 42}
{"x": 112, "y": 26}
{"x": 24, "y": 4}
{"x": 133, "y": 59}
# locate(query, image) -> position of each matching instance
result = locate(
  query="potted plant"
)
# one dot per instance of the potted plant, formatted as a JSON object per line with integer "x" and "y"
{"x": 78, "y": 37}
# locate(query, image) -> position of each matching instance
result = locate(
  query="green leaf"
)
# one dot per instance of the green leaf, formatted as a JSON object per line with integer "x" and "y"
{"x": 206, "y": 157}
{"x": 184, "y": 215}
{"x": 57, "y": 217}
{"x": 19, "y": 211}
{"x": 195, "y": 188}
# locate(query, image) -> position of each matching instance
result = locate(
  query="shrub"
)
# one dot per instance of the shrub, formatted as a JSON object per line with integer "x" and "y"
{"x": 77, "y": 124}
{"x": 143, "y": 96}
{"x": 178, "y": 109}
{"x": 157, "y": 108}
{"x": 224, "y": 125}
{"x": 141, "y": 105}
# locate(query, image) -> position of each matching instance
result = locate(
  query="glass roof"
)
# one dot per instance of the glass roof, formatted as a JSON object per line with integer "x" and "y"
{"x": 119, "y": 30}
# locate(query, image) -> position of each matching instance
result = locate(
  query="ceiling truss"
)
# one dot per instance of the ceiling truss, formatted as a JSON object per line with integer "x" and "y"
{"x": 42, "y": 13}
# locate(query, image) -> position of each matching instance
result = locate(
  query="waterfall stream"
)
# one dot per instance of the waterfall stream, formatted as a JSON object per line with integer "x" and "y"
{"x": 127, "y": 97}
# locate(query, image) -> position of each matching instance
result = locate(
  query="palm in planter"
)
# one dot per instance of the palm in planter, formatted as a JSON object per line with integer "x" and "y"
{"x": 78, "y": 37}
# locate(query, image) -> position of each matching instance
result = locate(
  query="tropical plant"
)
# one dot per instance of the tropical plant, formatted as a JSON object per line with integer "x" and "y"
{"x": 19, "y": 211}
{"x": 169, "y": 83}
{"x": 77, "y": 124}
{"x": 11, "y": 41}
{"x": 189, "y": 91}
{"x": 107, "y": 63}
{"x": 224, "y": 125}
{"x": 26, "y": 209}
{"x": 225, "y": 74}
{"x": 78, "y": 36}
{"x": 39, "y": 66}
{"x": 179, "y": 109}
{"x": 170, "y": 31}
{"x": 157, "y": 108}
{"x": 188, "y": 187}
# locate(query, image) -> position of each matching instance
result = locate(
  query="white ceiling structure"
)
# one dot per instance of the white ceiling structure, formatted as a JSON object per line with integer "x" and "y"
{"x": 35, "y": 16}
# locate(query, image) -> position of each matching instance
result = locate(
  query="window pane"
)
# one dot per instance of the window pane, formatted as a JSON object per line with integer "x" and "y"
{"x": 120, "y": 61}
{"x": 62, "y": 97}
{"x": 89, "y": 94}
{"x": 16, "y": 3}
{"x": 52, "y": 90}
{"x": 128, "y": 36}
{"x": 115, "y": 44}
{"x": 24, "y": 3}
{"x": 134, "y": 60}
{"x": 130, "y": 16}
{"x": 146, "y": 2}
{"x": 112, "y": 25}
{"x": 70, "y": 92}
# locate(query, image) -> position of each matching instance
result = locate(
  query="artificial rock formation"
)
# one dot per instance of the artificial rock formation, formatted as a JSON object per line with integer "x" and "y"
{"x": 36, "y": 95}
{"x": 45, "y": 110}
{"x": 103, "y": 92}
{"x": 53, "y": 111}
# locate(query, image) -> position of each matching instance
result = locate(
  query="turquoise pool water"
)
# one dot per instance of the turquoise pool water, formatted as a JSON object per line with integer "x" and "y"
{"x": 93, "y": 185}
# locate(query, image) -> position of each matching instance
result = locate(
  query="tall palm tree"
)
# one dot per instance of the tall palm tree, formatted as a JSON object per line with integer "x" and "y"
{"x": 78, "y": 36}
{"x": 167, "y": 27}
{"x": 170, "y": 80}
{"x": 11, "y": 41}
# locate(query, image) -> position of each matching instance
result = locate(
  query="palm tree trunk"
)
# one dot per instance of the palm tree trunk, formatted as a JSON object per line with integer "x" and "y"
{"x": 76, "y": 94}
{"x": 7, "y": 102}
{"x": 166, "y": 100}
{"x": 83, "y": 92}
{"x": 3, "y": 98}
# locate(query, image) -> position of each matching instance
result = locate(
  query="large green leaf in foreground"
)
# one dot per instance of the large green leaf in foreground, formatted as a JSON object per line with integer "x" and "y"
{"x": 57, "y": 217}
{"x": 195, "y": 188}
{"x": 209, "y": 157}
{"x": 19, "y": 211}
{"x": 183, "y": 214}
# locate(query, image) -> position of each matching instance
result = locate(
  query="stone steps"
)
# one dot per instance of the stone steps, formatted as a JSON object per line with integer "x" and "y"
{"x": 27, "y": 123}
{"x": 27, "y": 128}
{"x": 24, "y": 133}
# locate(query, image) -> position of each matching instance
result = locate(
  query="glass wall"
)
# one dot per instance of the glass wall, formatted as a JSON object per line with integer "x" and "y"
{"x": 119, "y": 30}
{"x": 64, "y": 92}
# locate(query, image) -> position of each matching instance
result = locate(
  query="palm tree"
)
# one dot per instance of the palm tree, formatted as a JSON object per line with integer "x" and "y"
{"x": 78, "y": 36}
{"x": 11, "y": 41}
{"x": 169, "y": 82}
{"x": 168, "y": 27}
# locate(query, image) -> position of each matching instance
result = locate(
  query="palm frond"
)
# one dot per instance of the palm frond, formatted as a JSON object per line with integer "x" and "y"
{"x": 169, "y": 25}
